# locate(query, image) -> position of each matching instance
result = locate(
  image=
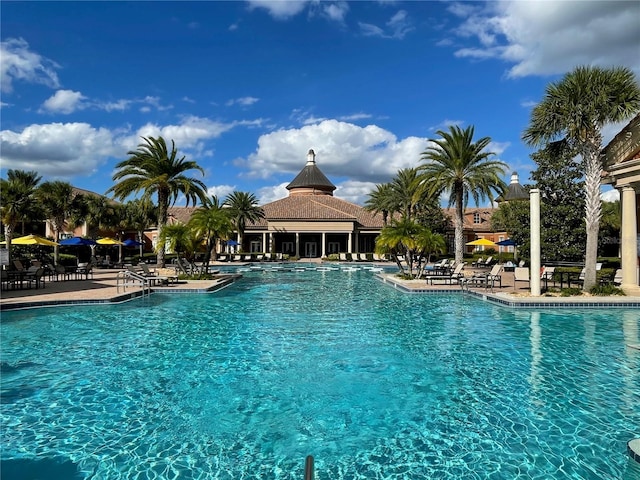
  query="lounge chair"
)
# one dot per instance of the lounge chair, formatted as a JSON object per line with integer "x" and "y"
{"x": 617, "y": 278}
{"x": 84, "y": 270}
{"x": 478, "y": 262}
{"x": 34, "y": 278}
{"x": 546, "y": 274}
{"x": 454, "y": 277}
{"x": 487, "y": 263}
{"x": 487, "y": 280}
{"x": 342, "y": 257}
{"x": 583, "y": 272}
{"x": 153, "y": 275}
{"x": 520, "y": 274}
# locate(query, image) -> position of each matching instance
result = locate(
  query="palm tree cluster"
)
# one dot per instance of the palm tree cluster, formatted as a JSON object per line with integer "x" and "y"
{"x": 153, "y": 170}
{"x": 455, "y": 167}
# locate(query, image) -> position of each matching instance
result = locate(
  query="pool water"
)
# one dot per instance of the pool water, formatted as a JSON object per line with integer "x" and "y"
{"x": 374, "y": 383}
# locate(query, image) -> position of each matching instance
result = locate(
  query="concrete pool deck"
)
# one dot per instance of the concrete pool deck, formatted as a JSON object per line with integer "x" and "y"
{"x": 103, "y": 288}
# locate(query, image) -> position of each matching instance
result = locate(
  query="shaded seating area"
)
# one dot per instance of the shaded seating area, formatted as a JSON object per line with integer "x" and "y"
{"x": 33, "y": 277}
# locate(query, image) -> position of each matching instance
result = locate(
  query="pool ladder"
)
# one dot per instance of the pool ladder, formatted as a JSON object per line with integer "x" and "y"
{"x": 126, "y": 277}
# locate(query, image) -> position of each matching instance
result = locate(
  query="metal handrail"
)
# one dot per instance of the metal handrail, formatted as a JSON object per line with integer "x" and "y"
{"x": 127, "y": 275}
{"x": 308, "y": 468}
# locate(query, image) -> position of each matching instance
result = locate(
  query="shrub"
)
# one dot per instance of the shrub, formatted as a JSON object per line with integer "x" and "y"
{"x": 570, "y": 292}
{"x": 606, "y": 290}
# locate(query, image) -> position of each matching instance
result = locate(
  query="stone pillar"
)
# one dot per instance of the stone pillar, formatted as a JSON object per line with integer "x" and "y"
{"x": 534, "y": 196}
{"x": 628, "y": 237}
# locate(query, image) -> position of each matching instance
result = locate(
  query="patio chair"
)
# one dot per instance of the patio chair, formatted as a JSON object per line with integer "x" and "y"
{"x": 487, "y": 280}
{"x": 479, "y": 261}
{"x": 152, "y": 275}
{"x": 342, "y": 257}
{"x": 583, "y": 271}
{"x": 18, "y": 266}
{"x": 617, "y": 278}
{"x": 449, "y": 278}
{"x": 84, "y": 270}
{"x": 487, "y": 263}
{"x": 546, "y": 274}
{"x": 35, "y": 278}
{"x": 520, "y": 274}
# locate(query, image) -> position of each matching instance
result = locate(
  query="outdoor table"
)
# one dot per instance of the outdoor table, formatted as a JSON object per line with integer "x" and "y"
{"x": 567, "y": 277}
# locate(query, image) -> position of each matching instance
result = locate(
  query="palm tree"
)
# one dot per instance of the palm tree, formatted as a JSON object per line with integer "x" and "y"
{"x": 243, "y": 208}
{"x": 572, "y": 114}
{"x": 212, "y": 222}
{"x": 179, "y": 238}
{"x": 408, "y": 192}
{"x": 60, "y": 203}
{"x": 461, "y": 167}
{"x": 140, "y": 215}
{"x": 17, "y": 192}
{"x": 153, "y": 169}
{"x": 410, "y": 240}
{"x": 380, "y": 201}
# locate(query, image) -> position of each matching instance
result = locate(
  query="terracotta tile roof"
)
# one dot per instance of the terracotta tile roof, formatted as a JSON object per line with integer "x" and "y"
{"x": 317, "y": 207}
{"x": 180, "y": 214}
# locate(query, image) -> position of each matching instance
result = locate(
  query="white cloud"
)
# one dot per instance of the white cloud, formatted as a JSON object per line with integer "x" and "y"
{"x": 552, "y": 37}
{"x": 244, "y": 101}
{"x": 336, "y": 11}
{"x": 612, "y": 195}
{"x": 279, "y": 9}
{"x": 17, "y": 62}
{"x": 57, "y": 149}
{"x": 272, "y": 193}
{"x": 64, "y": 102}
{"x": 397, "y": 27}
{"x": 354, "y": 191}
{"x": 366, "y": 154}
{"x": 221, "y": 191}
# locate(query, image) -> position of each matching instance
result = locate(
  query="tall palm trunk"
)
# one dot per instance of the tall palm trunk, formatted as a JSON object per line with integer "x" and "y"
{"x": 163, "y": 213}
{"x": 8, "y": 236}
{"x": 593, "y": 207}
{"x": 458, "y": 228}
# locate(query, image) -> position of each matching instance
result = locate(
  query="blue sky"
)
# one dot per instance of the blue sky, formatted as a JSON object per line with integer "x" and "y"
{"x": 246, "y": 88}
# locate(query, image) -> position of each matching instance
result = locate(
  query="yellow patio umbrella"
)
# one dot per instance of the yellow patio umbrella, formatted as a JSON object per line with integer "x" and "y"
{"x": 33, "y": 240}
{"x": 109, "y": 241}
{"x": 482, "y": 242}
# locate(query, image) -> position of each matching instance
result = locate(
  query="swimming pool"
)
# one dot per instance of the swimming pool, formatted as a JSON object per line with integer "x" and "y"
{"x": 375, "y": 383}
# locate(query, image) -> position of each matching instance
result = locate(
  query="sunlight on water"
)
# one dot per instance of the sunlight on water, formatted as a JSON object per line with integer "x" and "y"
{"x": 376, "y": 384}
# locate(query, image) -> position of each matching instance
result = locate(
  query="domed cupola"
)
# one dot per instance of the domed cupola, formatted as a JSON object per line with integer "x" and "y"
{"x": 514, "y": 191}
{"x": 310, "y": 180}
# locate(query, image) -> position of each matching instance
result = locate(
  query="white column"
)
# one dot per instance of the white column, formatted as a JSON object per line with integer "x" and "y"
{"x": 297, "y": 245}
{"x": 349, "y": 244}
{"x": 628, "y": 237}
{"x": 264, "y": 242}
{"x": 534, "y": 197}
{"x": 324, "y": 245}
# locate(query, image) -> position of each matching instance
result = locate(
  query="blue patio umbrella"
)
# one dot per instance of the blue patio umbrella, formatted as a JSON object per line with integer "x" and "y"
{"x": 506, "y": 243}
{"x": 129, "y": 242}
{"x": 77, "y": 241}
{"x": 232, "y": 243}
